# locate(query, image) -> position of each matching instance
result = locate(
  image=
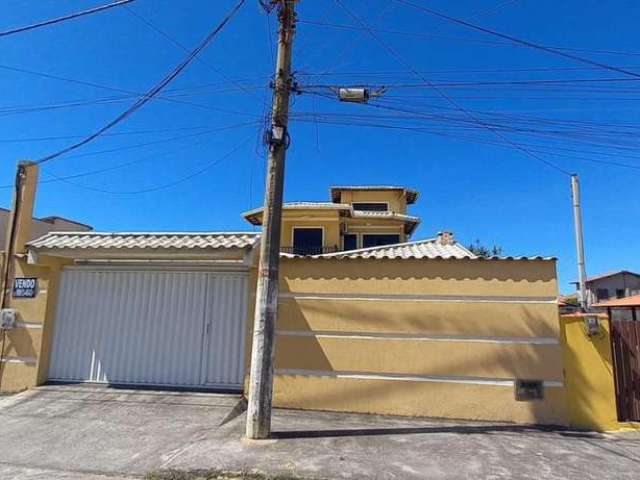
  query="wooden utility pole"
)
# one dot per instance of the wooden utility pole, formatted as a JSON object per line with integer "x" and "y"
{"x": 266, "y": 309}
{"x": 19, "y": 226}
{"x": 577, "y": 219}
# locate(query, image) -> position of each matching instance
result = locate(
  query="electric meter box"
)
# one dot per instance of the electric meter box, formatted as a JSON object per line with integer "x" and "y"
{"x": 8, "y": 318}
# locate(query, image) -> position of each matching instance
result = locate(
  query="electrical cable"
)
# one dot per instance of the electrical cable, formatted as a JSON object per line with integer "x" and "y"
{"x": 518, "y": 41}
{"x": 448, "y": 98}
{"x": 182, "y": 47}
{"x": 133, "y": 162}
{"x": 463, "y": 39}
{"x": 459, "y": 137}
{"x": 64, "y": 18}
{"x": 151, "y": 93}
{"x": 164, "y": 186}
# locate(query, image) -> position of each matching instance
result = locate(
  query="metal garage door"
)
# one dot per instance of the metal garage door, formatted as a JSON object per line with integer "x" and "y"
{"x": 150, "y": 327}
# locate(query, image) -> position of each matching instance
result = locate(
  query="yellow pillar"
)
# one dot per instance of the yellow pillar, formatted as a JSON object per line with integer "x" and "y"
{"x": 589, "y": 375}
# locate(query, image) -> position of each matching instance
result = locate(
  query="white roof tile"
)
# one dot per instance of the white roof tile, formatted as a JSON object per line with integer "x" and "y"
{"x": 142, "y": 240}
{"x": 430, "y": 248}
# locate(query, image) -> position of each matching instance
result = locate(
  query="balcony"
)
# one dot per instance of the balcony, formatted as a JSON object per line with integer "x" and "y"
{"x": 309, "y": 249}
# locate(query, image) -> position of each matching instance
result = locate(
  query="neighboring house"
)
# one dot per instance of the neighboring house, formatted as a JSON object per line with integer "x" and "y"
{"x": 368, "y": 320}
{"x": 606, "y": 286}
{"x": 41, "y": 226}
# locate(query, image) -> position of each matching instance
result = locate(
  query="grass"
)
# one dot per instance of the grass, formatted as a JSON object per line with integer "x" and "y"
{"x": 219, "y": 475}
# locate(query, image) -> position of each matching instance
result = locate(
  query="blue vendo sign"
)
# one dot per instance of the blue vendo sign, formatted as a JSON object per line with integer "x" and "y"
{"x": 25, "y": 287}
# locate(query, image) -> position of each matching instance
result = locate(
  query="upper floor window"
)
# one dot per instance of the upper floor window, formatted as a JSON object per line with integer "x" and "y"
{"x": 602, "y": 294}
{"x": 378, "y": 239}
{"x": 308, "y": 241}
{"x": 620, "y": 293}
{"x": 350, "y": 241}
{"x": 371, "y": 206}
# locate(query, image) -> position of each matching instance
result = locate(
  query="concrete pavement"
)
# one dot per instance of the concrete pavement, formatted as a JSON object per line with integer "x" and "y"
{"x": 79, "y": 432}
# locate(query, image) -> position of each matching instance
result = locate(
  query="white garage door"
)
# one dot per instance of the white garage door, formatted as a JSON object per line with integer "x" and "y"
{"x": 150, "y": 327}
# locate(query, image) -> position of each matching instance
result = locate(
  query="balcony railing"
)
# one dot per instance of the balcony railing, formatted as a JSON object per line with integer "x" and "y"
{"x": 309, "y": 250}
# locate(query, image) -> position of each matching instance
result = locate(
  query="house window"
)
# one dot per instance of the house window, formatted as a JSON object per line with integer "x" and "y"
{"x": 350, "y": 241}
{"x": 602, "y": 294}
{"x": 371, "y": 206}
{"x": 307, "y": 241}
{"x": 376, "y": 240}
{"x": 620, "y": 293}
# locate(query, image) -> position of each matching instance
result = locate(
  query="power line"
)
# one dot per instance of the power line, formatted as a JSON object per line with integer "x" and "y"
{"x": 458, "y": 71}
{"x": 164, "y": 186}
{"x": 120, "y": 90}
{"x": 493, "y": 83}
{"x": 461, "y": 39}
{"x": 465, "y": 138}
{"x": 164, "y": 152}
{"x": 113, "y": 134}
{"x": 35, "y": 108}
{"x": 447, "y": 97}
{"x": 519, "y": 41}
{"x": 64, "y": 18}
{"x": 182, "y": 47}
{"x": 152, "y": 92}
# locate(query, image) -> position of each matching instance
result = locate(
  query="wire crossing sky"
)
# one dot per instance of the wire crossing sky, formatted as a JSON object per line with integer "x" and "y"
{"x": 478, "y": 96}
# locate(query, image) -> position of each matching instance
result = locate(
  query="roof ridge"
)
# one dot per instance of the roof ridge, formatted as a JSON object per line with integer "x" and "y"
{"x": 378, "y": 247}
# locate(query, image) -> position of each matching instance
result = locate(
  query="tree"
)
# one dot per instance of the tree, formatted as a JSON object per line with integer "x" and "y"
{"x": 481, "y": 250}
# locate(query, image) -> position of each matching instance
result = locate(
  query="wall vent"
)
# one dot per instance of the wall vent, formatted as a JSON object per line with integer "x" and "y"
{"x": 527, "y": 390}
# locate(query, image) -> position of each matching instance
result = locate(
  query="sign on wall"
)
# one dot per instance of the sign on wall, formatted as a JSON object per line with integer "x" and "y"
{"x": 25, "y": 287}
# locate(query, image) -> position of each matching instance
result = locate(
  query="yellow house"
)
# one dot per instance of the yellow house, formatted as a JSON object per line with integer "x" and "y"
{"x": 356, "y": 217}
{"x": 369, "y": 319}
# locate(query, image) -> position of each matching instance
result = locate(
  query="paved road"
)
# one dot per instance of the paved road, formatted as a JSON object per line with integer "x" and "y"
{"x": 96, "y": 433}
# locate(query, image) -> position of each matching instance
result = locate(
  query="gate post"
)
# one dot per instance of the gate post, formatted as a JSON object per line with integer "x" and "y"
{"x": 589, "y": 374}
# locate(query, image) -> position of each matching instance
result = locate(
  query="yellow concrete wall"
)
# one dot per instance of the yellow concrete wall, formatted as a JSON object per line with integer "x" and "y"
{"x": 436, "y": 338}
{"x": 395, "y": 198}
{"x": 27, "y": 347}
{"x": 589, "y": 375}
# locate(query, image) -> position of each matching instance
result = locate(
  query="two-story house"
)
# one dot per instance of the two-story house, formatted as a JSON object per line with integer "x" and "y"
{"x": 357, "y": 217}
{"x": 606, "y": 286}
{"x": 367, "y": 320}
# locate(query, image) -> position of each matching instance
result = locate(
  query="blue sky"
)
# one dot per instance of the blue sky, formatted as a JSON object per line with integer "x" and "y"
{"x": 474, "y": 183}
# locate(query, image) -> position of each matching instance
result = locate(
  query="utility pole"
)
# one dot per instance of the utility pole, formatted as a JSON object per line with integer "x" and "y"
{"x": 266, "y": 309}
{"x": 18, "y": 229}
{"x": 577, "y": 218}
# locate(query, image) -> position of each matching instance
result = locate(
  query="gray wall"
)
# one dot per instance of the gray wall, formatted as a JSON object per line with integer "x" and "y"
{"x": 628, "y": 282}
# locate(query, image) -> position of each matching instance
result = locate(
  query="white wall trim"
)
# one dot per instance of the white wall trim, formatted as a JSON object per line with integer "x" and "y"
{"x": 226, "y": 267}
{"x": 29, "y": 325}
{"x": 501, "y": 382}
{"x": 20, "y": 360}
{"x": 417, "y": 298}
{"x": 419, "y": 337}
